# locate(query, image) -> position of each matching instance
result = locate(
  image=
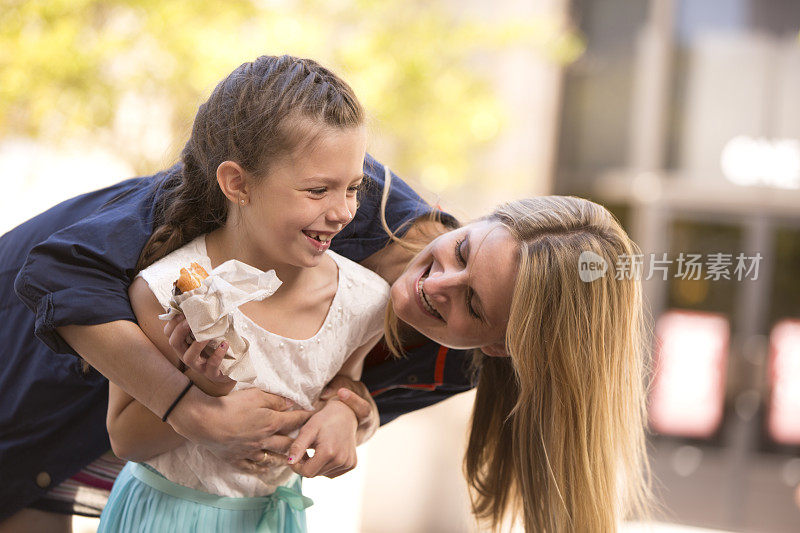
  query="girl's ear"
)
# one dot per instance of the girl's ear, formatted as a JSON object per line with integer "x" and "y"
{"x": 233, "y": 182}
{"x": 497, "y": 349}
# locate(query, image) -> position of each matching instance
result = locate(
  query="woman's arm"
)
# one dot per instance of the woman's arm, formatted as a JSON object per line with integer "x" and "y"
{"x": 136, "y": 433}
{"x": 236, "y": 427}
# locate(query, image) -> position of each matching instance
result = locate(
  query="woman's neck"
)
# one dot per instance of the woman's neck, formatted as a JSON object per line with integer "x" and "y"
{"x": 226, "y": 243}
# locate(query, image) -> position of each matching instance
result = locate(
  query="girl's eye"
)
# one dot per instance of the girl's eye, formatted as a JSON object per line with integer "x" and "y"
{"x": 353, "y": 189}
{"x": 318, "y": 191}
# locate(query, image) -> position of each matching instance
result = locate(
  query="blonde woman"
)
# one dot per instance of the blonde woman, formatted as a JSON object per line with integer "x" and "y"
{"x": 557, "y": 434}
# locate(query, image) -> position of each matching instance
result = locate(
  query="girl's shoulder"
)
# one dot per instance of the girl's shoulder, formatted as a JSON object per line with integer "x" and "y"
{"x": 351, "y": 273}
{"x": 361, "y": 293}
{"x": 161, "y": 275}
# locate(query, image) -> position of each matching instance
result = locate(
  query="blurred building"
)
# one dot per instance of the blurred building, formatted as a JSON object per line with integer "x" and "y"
{"x": 683, "y": 117}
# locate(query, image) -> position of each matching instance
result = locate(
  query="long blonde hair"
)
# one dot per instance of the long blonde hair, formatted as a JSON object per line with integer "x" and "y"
{"x": 558, "y": 429}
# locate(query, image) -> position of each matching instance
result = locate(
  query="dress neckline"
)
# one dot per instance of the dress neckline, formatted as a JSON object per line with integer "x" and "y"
{"x": 201, "y": 245}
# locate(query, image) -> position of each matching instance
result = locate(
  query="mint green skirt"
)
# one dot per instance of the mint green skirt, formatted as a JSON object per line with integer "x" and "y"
{"x": 143, "y": 500}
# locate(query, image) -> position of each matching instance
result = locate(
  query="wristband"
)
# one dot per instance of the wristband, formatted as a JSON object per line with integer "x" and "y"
{"x": 181, "y": 395}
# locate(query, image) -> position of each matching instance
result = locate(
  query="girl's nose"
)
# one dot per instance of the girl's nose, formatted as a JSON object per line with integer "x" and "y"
{"x": 340, "y": 212}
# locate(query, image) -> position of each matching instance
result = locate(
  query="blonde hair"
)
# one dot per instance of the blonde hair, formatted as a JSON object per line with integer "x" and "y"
{"x": 557, "y": 434}
{"x": 558, "y": 429}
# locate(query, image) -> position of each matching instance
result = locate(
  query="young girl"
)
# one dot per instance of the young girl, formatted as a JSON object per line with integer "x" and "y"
{"x": 270, "y": 175}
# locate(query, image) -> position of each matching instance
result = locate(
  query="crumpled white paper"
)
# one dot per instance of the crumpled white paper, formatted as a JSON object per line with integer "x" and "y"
{"x": 208, "y": 310}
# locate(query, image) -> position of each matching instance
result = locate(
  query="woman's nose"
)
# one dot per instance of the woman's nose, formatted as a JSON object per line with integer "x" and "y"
{"x": 439, "y": 286}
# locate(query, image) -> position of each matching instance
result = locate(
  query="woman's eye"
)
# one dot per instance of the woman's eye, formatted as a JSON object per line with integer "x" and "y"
{"x": 459, "y": 254}
{"x": 319, "y": 191}
{"x": 460, "y": 258}
{"x": 471, "y": 309}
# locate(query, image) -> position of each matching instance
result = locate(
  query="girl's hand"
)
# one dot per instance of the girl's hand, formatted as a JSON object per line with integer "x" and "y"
{"x": 194, "y": 355}
{"x": 332, "y": 434}
{"x": 356, "y": 396}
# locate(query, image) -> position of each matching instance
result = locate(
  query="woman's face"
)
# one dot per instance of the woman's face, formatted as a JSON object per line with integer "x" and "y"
{"x": 457, "y": 291}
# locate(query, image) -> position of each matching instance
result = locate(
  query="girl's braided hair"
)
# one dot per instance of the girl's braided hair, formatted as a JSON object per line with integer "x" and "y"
{"x": 263, "y": 110}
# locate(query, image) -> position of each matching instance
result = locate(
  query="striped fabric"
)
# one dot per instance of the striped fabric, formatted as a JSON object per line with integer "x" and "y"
{"x": 85, "y": 493}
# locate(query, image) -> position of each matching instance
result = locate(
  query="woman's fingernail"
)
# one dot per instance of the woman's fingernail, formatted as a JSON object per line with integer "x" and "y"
{"x": 291, "y": 460}
{"x": 224, "y": 345}
{"x": 344, "y": 394}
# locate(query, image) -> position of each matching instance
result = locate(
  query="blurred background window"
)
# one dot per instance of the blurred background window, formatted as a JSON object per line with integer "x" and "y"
{"x": 683, "y": 117}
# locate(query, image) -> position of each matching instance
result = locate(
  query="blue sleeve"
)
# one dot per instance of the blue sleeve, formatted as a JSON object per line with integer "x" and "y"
{"x": 79, "y": 271}
{"x": 365, "y": 234}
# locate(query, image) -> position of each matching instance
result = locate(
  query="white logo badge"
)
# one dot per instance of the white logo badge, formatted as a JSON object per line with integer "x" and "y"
{"x": 591, "y": 266}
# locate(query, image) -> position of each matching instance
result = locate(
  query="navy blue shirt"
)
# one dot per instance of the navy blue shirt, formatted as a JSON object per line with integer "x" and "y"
{"x": 73, "y": 264}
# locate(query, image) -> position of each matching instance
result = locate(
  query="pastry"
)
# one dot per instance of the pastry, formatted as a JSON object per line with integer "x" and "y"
{"x": 191, "y": 278}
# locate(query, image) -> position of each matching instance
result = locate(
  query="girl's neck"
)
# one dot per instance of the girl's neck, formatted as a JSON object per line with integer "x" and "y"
{"x": 226, "y": 243}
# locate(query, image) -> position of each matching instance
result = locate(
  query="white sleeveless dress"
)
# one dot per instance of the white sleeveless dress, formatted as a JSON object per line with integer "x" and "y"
{"x": 295, "y": 369}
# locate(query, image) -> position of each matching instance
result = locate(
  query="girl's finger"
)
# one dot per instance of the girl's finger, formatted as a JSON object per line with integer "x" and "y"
{"x": 177, "y": 338}
{"x": 192, "y": 357}
{"x": 312, "y": 467}
{"x": 300, "y": 464}
{"x": 173, "y": 323}
{"x": 215, "y": 360}
{"x": 304, "y": 440}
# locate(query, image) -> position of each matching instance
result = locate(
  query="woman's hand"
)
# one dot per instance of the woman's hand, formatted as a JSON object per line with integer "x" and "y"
{"x": 194, "y": 355}
{"x": 241, "y": 426}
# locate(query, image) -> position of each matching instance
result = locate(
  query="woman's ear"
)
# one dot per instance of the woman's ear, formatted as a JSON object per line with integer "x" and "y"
{"x": 233, "y": 182}
{"x": 497, "y": 349}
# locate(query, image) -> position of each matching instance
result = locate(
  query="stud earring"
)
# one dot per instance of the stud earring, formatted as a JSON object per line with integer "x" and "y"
{"x": 241, "y": 201}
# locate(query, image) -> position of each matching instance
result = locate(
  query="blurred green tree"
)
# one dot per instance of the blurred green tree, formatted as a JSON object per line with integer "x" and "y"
{"x": 130, "y": 74}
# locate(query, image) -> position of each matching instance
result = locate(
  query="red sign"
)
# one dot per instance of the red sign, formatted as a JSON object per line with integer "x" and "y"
{"x": 688, "y": 392}
{"x": 783, "y": 421}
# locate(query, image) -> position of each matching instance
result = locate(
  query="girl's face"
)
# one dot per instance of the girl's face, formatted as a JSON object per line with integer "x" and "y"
{"x": 457, "y": 291}
{"x": 306, "y": 199}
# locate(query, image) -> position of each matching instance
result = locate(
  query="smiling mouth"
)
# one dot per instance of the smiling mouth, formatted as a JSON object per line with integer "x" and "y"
{"x": 324, "y": 238}
{"x": 426, "y": 303}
